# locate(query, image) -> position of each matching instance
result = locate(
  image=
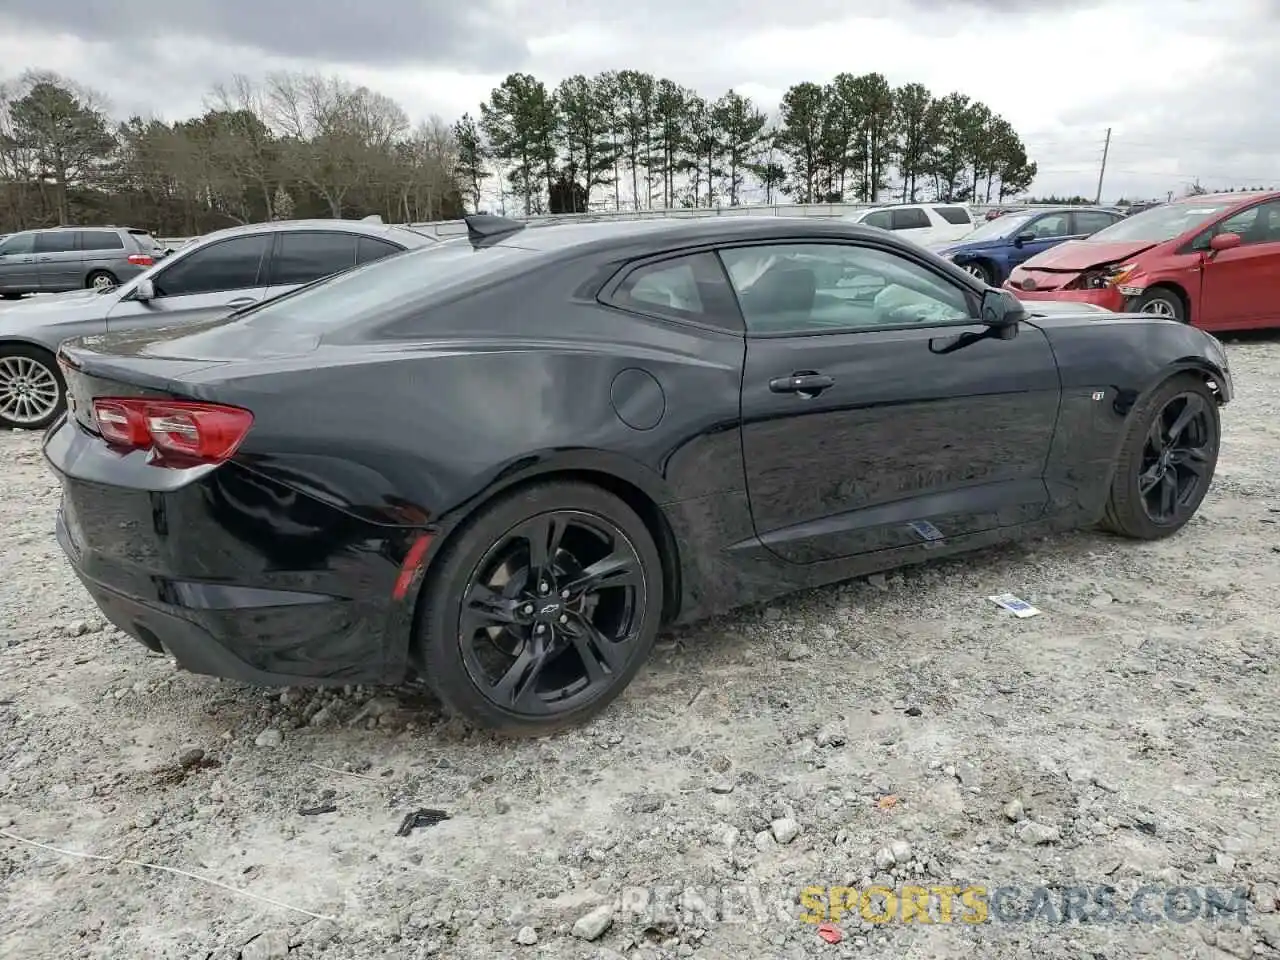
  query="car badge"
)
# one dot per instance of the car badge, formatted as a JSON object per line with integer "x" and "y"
{"x": 1028, "y": 284}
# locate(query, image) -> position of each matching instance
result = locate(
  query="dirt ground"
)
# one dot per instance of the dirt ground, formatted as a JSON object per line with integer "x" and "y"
{"x": 899, "y": 730}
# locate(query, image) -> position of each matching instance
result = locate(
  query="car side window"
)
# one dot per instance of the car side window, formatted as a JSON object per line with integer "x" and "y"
{"x": 234, "y": 264}
{"x": 23, "y": 243}
{"x": 1089, "y": 222}
{"x": 1260, "y": 224}
{"x": 55, "y": 241}
{"x": 304, "y": 256}
{"x": 1051, "y": 226}
{"x": 912, "y": 218}
{"x": 811, "y": 288}
{"x": 955, "y": 215}
{"x": 100, "y": 240}
{"x": 369, "y": 249}
{"x": 689, "y": 288}
{"x": 879, "y": 219}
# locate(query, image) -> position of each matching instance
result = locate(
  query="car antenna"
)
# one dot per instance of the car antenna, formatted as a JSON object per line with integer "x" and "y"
{"x": 485, "y": 227}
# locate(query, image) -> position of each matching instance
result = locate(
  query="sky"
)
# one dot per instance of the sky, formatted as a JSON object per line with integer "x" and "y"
{"x": 1185, "y": 86}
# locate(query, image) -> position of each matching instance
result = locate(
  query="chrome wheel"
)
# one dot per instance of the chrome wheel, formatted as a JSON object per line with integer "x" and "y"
{"x": 1160, "y": 307}
{"x": 975, "y": 270}
{"x": 29, "y": 391}
{"x": 102, "y": 282}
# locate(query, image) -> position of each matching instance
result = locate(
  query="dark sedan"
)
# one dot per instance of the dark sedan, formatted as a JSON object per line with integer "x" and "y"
{"x": 501, "y": 466}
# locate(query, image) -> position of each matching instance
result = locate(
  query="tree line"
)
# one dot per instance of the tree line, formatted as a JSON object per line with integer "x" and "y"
{"x": 293, "y": 145}
{"x": 629, "y": 140}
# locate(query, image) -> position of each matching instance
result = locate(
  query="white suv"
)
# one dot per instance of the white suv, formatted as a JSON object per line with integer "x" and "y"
{"x": 922, "y": 223}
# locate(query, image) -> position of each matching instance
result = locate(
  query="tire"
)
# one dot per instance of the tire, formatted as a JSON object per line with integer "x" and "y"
{"x": 1162, "y": 302}
{"x": 980, "y": 270}
{"x": 36, "y": 370}
{"x": 450, "y": 653}
{"x": 103, "y": 279}
{"x": 1128, "y": 512}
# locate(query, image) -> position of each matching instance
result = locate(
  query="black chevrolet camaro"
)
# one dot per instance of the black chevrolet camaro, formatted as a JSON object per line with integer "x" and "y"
{"x": 502, "y": 464}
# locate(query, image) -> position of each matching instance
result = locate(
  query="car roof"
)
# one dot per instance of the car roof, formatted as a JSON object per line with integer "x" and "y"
{"x": 362, "y": 227}
{"x": 87, "y": 226}
{"x": 668, "y": 232}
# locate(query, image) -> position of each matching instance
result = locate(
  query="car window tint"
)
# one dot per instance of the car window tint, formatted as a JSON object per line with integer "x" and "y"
{"x": 957, "y": 215}
{"x": 823, "y": 288}
{"x": 306, "y": 256}
{"x": 1260, "y": 224}
{"x": 912, "y": 218}
{"x": 684, "y": 288}
{"x": 1052, "y": 226}
{"x": 1091, "y": 221}
{"x": 55, "y": 241}
{"x": 20, "y": 244}
{"x": 227, "y": 265}
{"x": 368, "y": 249}
{"x": 100, "y": 240}
{"x": 879, "y": 219}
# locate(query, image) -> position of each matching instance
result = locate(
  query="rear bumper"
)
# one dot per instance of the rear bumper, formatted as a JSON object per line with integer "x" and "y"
{"x": 232, "y": 574}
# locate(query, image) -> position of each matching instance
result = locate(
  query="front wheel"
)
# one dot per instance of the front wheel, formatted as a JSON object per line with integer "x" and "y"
{"x": 1162, "y": 302}
{"x": 981, "y": 271}
{"x": 1167, "y": 461}
{"x": 32, "y": 394}
{"x": 542, "y": 611}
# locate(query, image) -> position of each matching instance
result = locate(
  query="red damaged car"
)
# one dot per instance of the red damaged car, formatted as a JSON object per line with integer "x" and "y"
{"x": 1212, "y": 261}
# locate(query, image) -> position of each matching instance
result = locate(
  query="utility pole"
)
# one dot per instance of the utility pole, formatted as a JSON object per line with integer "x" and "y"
{"x": 1106, "y": 148}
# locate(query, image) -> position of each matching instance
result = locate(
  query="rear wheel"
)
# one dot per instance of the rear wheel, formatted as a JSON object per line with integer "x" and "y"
{"x": 101, "y": 280}
{"x": 542, "y": 610}
{"x": 1163, "y": 302}
{"x": 1167, "y": 461}
{"x": 32, "y": 394}
{"x": 980, "y": 270}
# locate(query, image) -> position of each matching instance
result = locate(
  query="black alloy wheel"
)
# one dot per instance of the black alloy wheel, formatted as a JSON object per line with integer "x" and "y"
{"x": 555, "y": 602}
{"x": 1176, "y": 457}
{"x": 1167, "y": 461}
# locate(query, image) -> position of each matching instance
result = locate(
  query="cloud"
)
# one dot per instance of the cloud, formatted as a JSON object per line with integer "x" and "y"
{"x": 1185, "y": 86}
{"x": 471, "y": 36}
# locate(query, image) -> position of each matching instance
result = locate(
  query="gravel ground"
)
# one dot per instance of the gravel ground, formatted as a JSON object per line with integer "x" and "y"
{"x": 898, "y": 730}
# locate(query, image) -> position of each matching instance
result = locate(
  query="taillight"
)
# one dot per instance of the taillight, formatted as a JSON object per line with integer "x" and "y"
{"x": 179, "y": 432}
{"x": 141, "y": 260}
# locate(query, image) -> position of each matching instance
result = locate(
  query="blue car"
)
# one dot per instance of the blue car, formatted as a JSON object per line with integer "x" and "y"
{"x": 995, "y": 248}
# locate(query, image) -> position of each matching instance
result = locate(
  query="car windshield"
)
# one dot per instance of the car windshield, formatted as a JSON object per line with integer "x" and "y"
{"x": 1161, "y": 223}
{"x": 998, "y": 228}
{"x": 380, "y": 287}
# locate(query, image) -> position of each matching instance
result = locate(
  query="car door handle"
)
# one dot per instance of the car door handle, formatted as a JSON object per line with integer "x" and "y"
{"x": 805, "y": 382}
{"x": 44, "y": 259}
{"x": 241, "y": 302}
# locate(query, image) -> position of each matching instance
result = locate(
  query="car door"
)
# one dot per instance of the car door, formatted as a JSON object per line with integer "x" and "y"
{"x": 869, "y": 420}
{"x": 1241, "y": 287}
{"x": 18, "y": 270}
{"x": 1039, "y": 234}
{"x": 211, "y": 280}
{"x": 58, "y": 261}
{"x": 302, "y": 256}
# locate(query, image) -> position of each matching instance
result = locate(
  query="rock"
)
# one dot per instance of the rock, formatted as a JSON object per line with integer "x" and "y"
{"x": 830, "y": 736}
{"x": 885, "y": 859}
{"x": 527, "y": 937}
{"x": 722, "y": 785}
{"x": 1014, "y": 810}
{"x": 1225, "y": 862}
{"x": 1264, "y": 897}
{"x": 772, "y": 614}
{"x": 724, "y": 834}
{"x": 797, "y": 651}
{"x": 376, "y": 708}
{"x": 190, "y": 758}
{"x": 784, "y": 830}
{"x": 1038, "y": 834}
{"x": 828, "y": 631}
{"x": 901, "y": 851}
{"x": 270, "y": 737}
{"x": 764, "y": 840}
{"x": 878, "y": 581}
{"x": 272, "y": 945}
{"x": 76, "y": 628}
{"x": 320, "y": 717}
{"x": 914, "y": 710}
{"x": 592, "y": 925}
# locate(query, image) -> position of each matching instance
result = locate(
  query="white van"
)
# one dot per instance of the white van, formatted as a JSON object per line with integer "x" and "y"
{"x": 922, "y": 223}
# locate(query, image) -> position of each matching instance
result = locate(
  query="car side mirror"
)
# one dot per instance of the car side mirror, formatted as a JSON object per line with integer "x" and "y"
{"x": 1001, "y": 312}
{"x": 145, "y": 291}
{"x": 1225, "y": 241}
{"x": 1025, "y": 237}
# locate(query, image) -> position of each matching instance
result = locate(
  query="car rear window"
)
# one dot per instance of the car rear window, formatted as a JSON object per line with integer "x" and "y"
{"x": 384, "y": 289}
